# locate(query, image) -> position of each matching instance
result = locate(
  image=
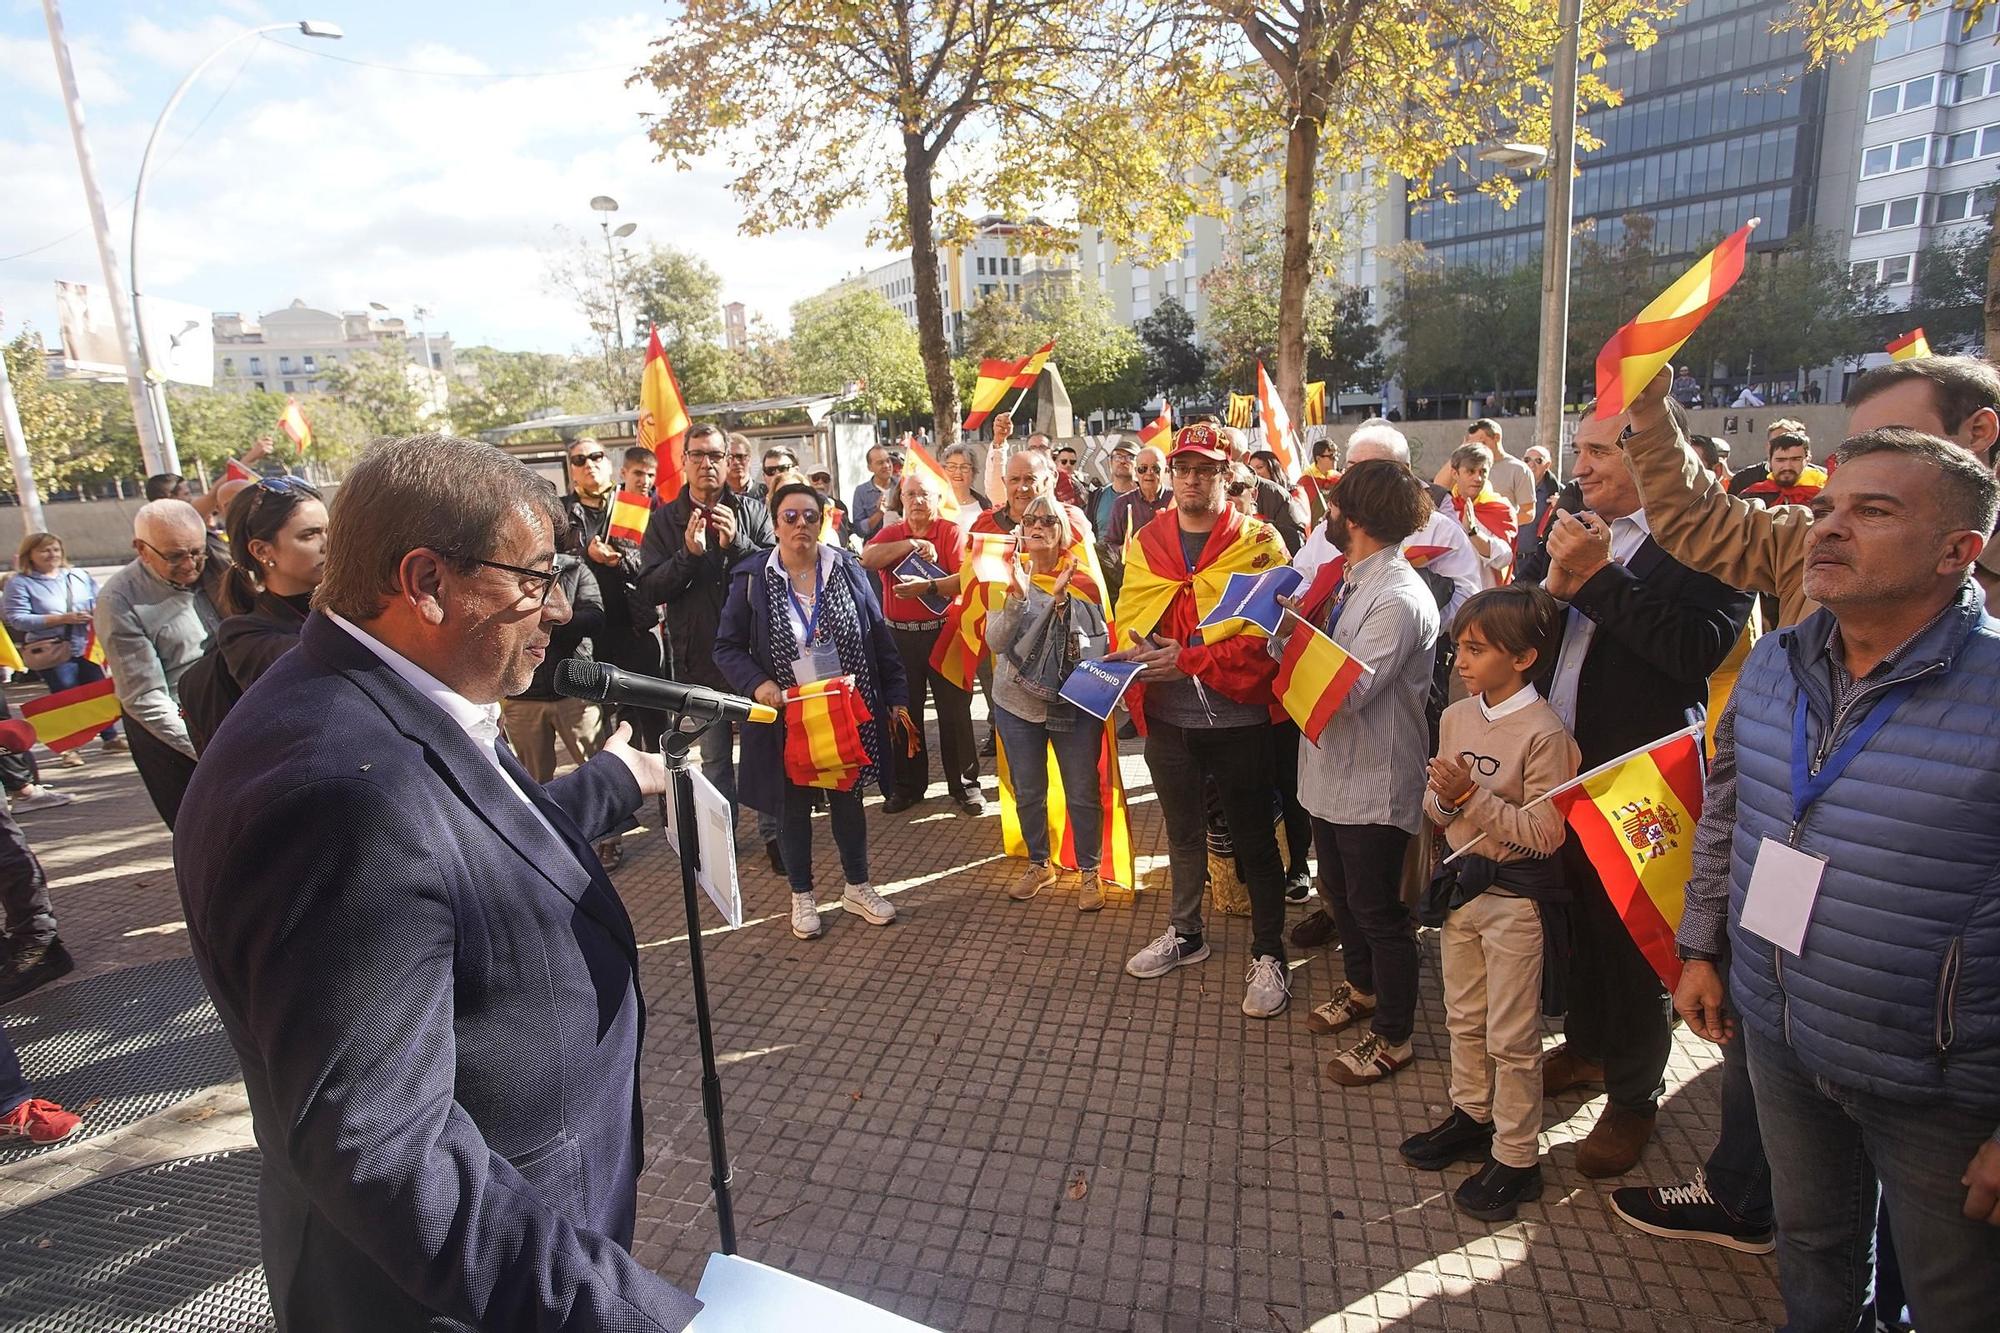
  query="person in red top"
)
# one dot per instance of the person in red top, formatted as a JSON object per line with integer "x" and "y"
{"x": 914, "y": 626}
{"x": 1206, "y": 708}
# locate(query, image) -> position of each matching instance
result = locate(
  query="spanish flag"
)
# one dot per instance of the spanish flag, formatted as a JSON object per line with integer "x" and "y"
{"x": 918, "y": 457}
{"x": 1910, "y": 346}
{"x": 663, "y": 419}
{"x": 73, "y": 717}
{"x": 293, "y": 422}
{"x": 1031, "y": 365}
{"x": 995, "y": 378}
{"x": 989, "y": 556}
{"x": 93, "y": 651}
{"x": 1159, "y": 433}
{"x": 1239, "y": 410}
{"x": 1156, "y": 570}
{"x": 1313, "y": 411}
{"x": 1277, "y": 423}
{"x": 237, "y": 472}
{"x": 1636, "y": 352}
{"x": 1493, "y": 513}
{"x": 1314, "y": 677}
{"x": 1635, "y": 818}
{"x": 629, "y": 512}
{"x": 823, "y": 734}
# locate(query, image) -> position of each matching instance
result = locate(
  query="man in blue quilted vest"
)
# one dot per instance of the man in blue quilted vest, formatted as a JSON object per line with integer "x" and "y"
{"x": 1864, "y": 897}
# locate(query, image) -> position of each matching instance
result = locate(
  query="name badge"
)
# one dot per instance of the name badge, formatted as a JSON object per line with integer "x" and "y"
{"x": 822, "y": 663}
{"x": 1784, "y": 883}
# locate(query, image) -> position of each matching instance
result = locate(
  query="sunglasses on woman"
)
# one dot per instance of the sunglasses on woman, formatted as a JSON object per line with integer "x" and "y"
{"x": 797, "y": 517}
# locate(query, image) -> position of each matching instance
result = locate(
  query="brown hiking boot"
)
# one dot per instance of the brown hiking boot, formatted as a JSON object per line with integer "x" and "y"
{"x": 1613, "y": 1147}
{"x": 1563, "y": 1069}
{"x": 1090, "y": 893}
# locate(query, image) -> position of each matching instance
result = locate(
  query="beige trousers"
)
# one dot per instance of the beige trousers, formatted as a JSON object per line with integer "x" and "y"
{"x": 533, "y": 727}
{"x": 1492, "y": 955}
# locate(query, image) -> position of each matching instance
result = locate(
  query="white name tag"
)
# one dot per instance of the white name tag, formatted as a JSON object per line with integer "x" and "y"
{"x": 822, "y": 663}
{"x": 1784, "y": 882}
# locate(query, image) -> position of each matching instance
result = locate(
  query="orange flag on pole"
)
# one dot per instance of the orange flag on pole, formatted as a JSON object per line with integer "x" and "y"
{"x": 293, "y": 423}
{"x": 1276, "y": 421}
{"x": 1910, "y": 346}
{"x": 1636, "y": 352}
{"x": 663, "y": 419}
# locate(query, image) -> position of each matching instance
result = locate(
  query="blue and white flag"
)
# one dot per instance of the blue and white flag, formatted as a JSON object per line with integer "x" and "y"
{"x": 1096, "y": 687}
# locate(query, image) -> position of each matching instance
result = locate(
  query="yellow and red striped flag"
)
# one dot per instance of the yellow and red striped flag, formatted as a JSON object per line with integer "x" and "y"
{"x": 1910, "y": 346}
{"x": 10, "y": 656}
{"x": 996, "y": 376}
{"x": 237, "y": 472}
{"x": 823, "y": 734}
{"x": 1636, "y": 352}
{"x": 829, "y": 524}
{"x": 1116, "y": 862}
{"x": 1313, "y": 411}
{"x": 1159, "y": 432}
{"x": 918, "y": 457}
{"x": 1238, "y": 414}
{"x": 293, "y": 423}
{"x": 663, "y": 419}
{"x": 1314, "y": 677}
{"x": 1276, "y": 421}
{"x": 93, "y": 651}
{"x": 1031, "y": 365}
{"x": 73, "y": 717}
{"x": 989, "y": 556}
{"x": 1635, "y": 818}
{"x": 629, "y": 512}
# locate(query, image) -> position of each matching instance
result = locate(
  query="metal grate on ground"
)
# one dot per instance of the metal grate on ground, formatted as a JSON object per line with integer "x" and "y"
{"x": 170, "y": 1248}
{"x": 120, "y": 1046}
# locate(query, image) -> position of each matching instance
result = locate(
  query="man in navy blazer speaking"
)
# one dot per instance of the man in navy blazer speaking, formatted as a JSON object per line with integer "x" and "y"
{"x": 430, "y": 981}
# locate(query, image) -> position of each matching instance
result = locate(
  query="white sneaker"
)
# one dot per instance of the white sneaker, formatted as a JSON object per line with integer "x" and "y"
{"x": 869, "y": 905}
{"x": 70, "y": 759}
{"x": 1165, "y": 954}
{"x": 1267, "y": 990}
{"x": 805, "y": 917}
{"x": 37, "y": 797}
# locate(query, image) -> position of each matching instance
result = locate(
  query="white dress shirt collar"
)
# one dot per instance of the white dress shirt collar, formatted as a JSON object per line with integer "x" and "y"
{"x": 479, "y": 721}
{"x": 1513, "y": 703}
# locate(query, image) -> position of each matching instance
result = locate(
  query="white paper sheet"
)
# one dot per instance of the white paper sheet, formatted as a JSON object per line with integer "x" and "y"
{"x": 1778, "y": 905}
{"x": 742, "y": 1296}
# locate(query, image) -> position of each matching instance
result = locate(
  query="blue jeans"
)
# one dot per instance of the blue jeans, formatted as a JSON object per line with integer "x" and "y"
{"x": 1738, "y": 1174}
{"x": 1077, "y": 751}
{"x": 68, "y": 675}
{"x": 718, "y": 763}
{"x": 850, "y": 835}
{"x": 1834, "y": 1151}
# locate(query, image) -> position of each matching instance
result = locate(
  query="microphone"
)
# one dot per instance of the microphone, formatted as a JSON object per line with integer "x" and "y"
{"x": 580, "y": 678}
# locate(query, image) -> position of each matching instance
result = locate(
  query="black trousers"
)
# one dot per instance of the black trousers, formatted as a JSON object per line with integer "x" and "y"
{"x": 635, "y": 650}
{"x": 954, "y": 712}
{"x": 1619, "y": 1012}
{"x": 1240, "y": 761}
{"x": 1298, "y": 824}
{"x": 1361, "y": 882}
{"x": 24, "y": 890}
{"x": 165, "y": 770}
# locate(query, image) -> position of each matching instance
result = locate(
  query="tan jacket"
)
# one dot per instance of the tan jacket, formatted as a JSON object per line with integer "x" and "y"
{"x": 1746, "y": 545}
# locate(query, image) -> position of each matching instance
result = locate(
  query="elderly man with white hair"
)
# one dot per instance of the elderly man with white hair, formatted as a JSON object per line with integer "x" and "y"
{"x": 154, "y": 621}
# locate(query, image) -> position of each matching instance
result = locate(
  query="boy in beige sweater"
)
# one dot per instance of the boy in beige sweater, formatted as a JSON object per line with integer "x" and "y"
{"x": 1499, "y": 751}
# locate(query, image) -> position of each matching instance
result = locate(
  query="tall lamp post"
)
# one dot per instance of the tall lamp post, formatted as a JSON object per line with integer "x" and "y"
{"x": 606, "y": 206}
{"x": 155, "y": 386}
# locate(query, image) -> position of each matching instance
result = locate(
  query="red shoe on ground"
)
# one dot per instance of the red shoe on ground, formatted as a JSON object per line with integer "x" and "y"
{"x": 39, "y": 1122}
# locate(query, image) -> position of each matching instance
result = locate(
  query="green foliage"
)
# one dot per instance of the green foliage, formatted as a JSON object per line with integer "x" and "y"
{"x": 678, "y": 293}
{"x": 212, "y": 426}
{"x": 1948, "y": 298}
{"x": 1103, "y": 362}
{"x": 1466, "y": 329}
{"x": 1345, "y": 348}
{"x": 853, "y": 334}
{"x": 1792, "y": 309}
{"x": 377, "y": 389}
{"x": 763, "y": 369}
{"x": 508, "y": 387}
{"x": 65, "y": 423}
{"x": 1241, "y": 297}
{"x": 1176, "y": 365}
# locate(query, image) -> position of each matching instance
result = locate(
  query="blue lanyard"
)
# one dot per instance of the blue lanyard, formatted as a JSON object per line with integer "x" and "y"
{"x": 811, "y": 622}
{"x": 1808, "y": 786}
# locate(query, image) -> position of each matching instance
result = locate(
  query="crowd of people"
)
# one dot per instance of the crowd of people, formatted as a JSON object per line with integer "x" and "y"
{"x": 1514, "y": 630}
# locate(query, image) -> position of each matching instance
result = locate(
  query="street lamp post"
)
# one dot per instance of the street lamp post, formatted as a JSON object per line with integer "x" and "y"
{"x": 155, "y": 386}
{"x": 606, "y": 206}
{"x": 1550, "y": 391}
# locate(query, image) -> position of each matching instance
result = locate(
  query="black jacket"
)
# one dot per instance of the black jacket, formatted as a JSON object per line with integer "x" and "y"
{"x": 245, "y": 647}
{"x": 1662, "y": 629}
{"x": 625, "y": 612}
{"x": 572, "y": 638}
{"x": 691, "y": 588}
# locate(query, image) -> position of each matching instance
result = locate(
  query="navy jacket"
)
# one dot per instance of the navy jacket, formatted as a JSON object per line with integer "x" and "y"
{"x": 435, "y": 1004}
{"x": 743, "y": 652}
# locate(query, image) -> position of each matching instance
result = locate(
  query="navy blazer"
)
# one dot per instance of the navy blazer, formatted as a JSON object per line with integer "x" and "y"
{"x": 435, "y": 1003}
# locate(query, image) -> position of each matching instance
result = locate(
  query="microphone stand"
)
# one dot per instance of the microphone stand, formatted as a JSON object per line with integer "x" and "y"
{"x": 674, "y": 747}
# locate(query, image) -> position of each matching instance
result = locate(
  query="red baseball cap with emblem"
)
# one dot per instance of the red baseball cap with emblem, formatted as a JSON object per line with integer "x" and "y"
{"x": 1200, "y": 440}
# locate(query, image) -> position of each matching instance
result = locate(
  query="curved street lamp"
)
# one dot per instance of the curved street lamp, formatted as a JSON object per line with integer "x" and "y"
{"x": 156, "y": 394}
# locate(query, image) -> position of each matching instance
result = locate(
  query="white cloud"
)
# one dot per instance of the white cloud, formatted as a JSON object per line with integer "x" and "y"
{"x": 340, "y": 183}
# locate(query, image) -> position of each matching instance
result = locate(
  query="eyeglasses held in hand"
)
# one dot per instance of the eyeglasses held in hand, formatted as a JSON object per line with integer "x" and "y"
{"x": 559, "y": 566}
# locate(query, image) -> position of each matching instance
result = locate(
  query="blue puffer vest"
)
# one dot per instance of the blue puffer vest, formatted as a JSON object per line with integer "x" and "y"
{"x": 1898, "y": 991}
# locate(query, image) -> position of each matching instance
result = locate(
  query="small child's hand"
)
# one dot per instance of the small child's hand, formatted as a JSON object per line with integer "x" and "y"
{"x": 1448, "y": 777}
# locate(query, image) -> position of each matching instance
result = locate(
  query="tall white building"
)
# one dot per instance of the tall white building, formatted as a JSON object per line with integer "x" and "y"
{"x": 967, "y": 274}
{"x": 290, "y": 350}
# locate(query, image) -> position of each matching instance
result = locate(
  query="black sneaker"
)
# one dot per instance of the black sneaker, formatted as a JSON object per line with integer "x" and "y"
{"x": 898, "y": 803}
{"x": 1689, "y": 1212}
{"x": 1459, "y": 1139}
{"x": 971, "y": 801}
{"x": 1494, "y": 1192}
{"x": 34, "y": 966}
{"x": 989, "y": 747}
{"x": 1299, "y": 887}
{"x": 1315, "y": 930}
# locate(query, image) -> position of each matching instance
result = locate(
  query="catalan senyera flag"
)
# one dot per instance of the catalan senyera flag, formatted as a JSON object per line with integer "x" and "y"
{"x": 69, "y": 718}
{"x": 663, "y": 419}
{"x": 293, "y": 422}
{"x": 1239, "y": 410}
{"x": 1637, "y": 351}
{"x": 1910, "y": 346}
{"x": 629, "y": 512}
{"x": 1277, "y": 422}
{"x": 1635, "y": 818}
{"x": 1314, "y": 677}
{"x": 10, "y": 656}
{"x": 823, "y": 734}
{"x": 918, "y": 457}
{"x": 1312, "y": 412}
{"x": 1159, "y": 432}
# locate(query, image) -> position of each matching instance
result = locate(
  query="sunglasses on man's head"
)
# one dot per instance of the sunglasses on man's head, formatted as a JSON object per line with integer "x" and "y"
{"x": 585, "y": 460}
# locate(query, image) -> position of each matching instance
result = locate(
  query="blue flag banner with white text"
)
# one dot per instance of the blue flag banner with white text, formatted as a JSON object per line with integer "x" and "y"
{"x": 1253, "y": 598}
{"x": 916, "y": 567}
{"x": 1096, "y": 687}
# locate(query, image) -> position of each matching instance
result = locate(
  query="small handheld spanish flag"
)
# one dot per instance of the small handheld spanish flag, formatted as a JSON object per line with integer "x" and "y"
{"x": 1314, "y": 677}
{"x": 1636, "y": 352}
{"x": 294, "y": 424}
{"x": 629, "y": 512}
{"x": 69, "y": 718}
{"x": 1910, "y": 346}
{"x": 1159, "y": 432}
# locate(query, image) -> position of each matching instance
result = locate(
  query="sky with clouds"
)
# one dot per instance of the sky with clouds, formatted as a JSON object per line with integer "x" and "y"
{"x": 290, "y": 173}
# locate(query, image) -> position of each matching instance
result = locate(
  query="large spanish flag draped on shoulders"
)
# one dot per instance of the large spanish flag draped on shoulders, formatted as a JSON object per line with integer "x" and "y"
{"x": 1637, "y": 352}
{"x": 663, "y": 419}
{"x": 1635, "y": 817}
{"x": 1494, "y": 514}
{"x": 1156, "y": 570}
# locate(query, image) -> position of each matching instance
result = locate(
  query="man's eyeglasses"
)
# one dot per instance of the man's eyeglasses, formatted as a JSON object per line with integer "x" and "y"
{"x": 706, "y": 455}
{"x": 1066, "y": 460}
{"x": 173, "y": 559}
{"x": 1150, "y": 469}
{"x": 585, "y": 460}
{"x": 735, "y": 457}
{"x": 1196, "y": 469}
{"x": 561, "y": 565}
{"x": 798, "y": 517}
